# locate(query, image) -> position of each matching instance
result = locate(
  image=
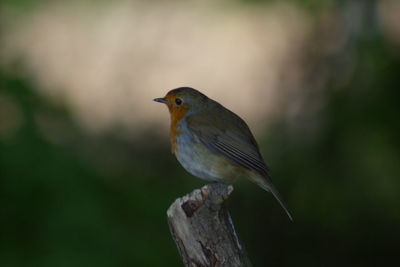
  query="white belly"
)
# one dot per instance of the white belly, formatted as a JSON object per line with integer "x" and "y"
{"x": 198, "y": 160}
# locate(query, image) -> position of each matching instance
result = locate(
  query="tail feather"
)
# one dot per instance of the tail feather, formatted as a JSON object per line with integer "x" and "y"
{"x": 267, "y": 185}
{"x": 281, "y": 202}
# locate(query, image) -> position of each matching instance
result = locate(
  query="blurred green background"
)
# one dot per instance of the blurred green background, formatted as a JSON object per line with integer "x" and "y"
{"x": 86, "y": 181}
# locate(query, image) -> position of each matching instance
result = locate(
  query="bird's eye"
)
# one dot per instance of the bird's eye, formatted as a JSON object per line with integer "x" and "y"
{"x": 178, "y": 101}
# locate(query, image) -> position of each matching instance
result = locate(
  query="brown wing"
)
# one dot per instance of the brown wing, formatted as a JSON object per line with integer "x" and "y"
{"x": 227, "y": 134}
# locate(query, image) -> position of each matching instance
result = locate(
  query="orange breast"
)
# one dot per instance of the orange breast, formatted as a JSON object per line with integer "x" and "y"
{"x": 177, "y": 114}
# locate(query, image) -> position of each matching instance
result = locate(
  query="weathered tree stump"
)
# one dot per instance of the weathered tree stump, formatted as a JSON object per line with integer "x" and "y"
{"x": 203, "y": 230}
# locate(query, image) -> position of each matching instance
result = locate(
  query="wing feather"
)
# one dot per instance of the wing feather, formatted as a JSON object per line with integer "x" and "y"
{"x": 234, "y": 141}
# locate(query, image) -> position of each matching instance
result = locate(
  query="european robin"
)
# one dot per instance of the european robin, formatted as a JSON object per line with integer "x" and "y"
{"x": 213, "y": 143}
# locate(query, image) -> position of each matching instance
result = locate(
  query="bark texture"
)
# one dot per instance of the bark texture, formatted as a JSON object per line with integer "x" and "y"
{"x": 203, "y": 230}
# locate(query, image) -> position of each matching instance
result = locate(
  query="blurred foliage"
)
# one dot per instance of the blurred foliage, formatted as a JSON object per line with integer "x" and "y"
{"x": 73, "y": 199}
{"x": 85, "y": 201}
{"x": 343, "y": 185}
{"x": 307, "y": 4}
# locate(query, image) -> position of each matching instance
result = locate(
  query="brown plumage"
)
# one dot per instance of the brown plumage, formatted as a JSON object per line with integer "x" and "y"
{"x": 213, "y": 143}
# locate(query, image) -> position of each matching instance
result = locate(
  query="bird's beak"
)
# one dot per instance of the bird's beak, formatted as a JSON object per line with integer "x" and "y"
{"x": 161, "y": 100}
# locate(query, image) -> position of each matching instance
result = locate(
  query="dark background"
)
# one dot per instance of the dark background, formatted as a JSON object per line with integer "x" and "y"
{"x": 72, "y": 198}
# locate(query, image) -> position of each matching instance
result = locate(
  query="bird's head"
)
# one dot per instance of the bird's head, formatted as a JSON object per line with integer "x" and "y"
{"x": 183, "y": 99}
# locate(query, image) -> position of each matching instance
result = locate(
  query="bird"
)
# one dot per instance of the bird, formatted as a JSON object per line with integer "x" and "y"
{"x": 213, "y": 143}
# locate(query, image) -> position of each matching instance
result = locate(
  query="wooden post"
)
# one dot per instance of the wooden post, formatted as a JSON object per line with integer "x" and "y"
{"x": 203, "y": 230}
